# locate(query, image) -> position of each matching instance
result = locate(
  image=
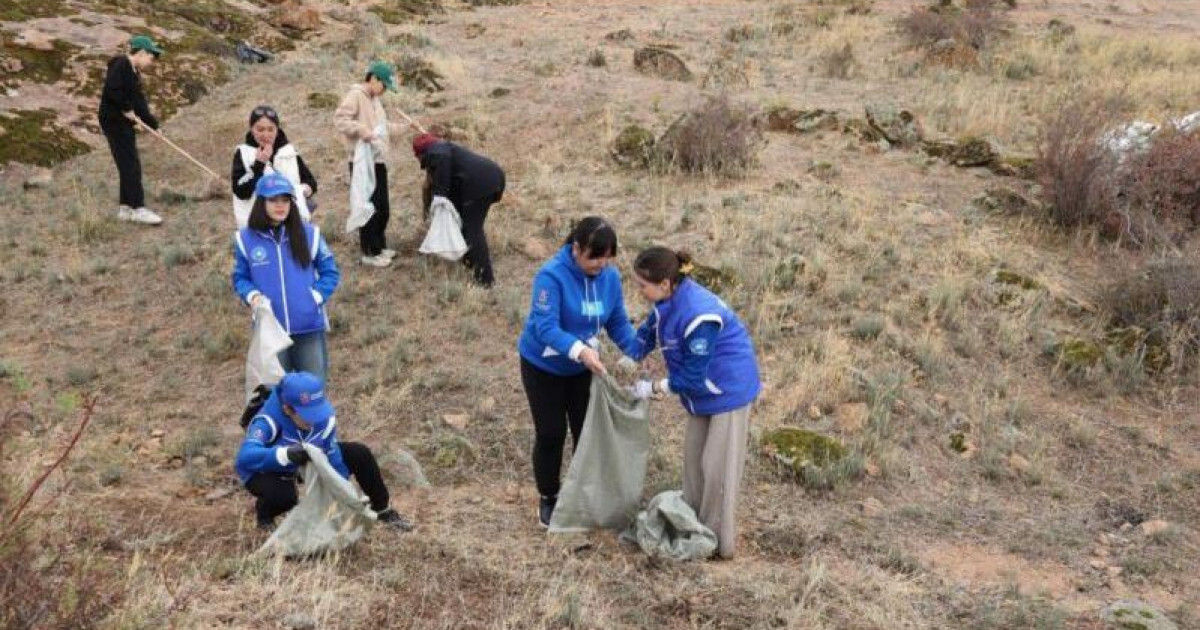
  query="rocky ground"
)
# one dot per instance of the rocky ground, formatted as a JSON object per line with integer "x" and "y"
{"x": 997, "y": 473}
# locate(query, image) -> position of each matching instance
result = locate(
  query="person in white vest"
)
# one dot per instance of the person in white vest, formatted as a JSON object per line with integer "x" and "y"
{"x": 267, "y": 150}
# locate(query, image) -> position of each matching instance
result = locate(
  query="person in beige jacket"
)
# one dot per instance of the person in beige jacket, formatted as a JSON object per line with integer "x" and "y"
{"x": 363, "y": 125}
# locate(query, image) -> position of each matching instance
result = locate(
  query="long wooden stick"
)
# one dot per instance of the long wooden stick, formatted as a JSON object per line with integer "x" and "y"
{"x": 410, "y": 120}
{"x": 185, "y": 154}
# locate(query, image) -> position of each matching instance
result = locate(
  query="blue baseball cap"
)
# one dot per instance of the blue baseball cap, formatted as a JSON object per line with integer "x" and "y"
{"x": 273, "y": 185}
{"x": 304, "y": 392}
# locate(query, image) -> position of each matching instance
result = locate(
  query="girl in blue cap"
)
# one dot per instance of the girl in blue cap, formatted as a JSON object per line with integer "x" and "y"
{"x": 711, "y": 366}
{"x": 279, "y": 258}
{"x": 576, "y": 295}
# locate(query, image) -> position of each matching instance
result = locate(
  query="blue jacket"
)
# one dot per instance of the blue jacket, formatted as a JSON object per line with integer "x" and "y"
{"x": 711, "y": 373}
{"x": 262, "y": 263}
{"x": 271, "y": 432}
{"x": 568, "y": 309}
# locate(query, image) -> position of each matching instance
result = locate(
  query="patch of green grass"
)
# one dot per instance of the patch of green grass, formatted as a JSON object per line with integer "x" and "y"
{"x": 32, "y": 137}
{"x": 37, "y": 66}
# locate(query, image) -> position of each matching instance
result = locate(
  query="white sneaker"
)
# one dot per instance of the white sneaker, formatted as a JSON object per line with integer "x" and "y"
{"x": 388, "y": 253}
{"x": 139, "y": 215}
{"x": 376, "y": 261}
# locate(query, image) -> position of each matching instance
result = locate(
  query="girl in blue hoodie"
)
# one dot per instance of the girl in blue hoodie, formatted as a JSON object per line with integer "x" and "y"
{"x": 576, "y": 294}
{"x": 711, "y": 366}
{"x": 279, "y": 258}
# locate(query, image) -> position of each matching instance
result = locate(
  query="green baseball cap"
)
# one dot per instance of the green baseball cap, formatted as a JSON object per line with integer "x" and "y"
{"x": 142, "y": 42}
{"x": 383, "y": 71}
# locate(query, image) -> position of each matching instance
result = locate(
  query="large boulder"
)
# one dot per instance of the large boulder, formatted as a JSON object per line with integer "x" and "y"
{"x": 1135, "y": 615}
{"x": 662, "y": 63}
{"x": 898, "y": 126}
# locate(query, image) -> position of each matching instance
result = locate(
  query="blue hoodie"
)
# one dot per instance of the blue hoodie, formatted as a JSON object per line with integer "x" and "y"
{"x": 567, "y": 311}
{"x": 263, "y": 263}
{"x": 712, "y": 373}
{"x": 271, "y": 432}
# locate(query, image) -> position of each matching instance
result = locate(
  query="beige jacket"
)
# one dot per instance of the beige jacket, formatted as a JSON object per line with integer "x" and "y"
{"x": 358, "y": 115}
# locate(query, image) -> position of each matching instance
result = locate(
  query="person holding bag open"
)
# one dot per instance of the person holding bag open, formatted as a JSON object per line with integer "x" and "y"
{"x": 711, "y": 366}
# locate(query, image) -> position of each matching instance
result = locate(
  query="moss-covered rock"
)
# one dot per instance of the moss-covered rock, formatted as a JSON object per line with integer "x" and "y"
{"x": 633, "y": 147}
{"x": 659, "y": 62}
{"x": 899, "y": 126}
{"x": 972, "y": 151}
{"x": 32, "y": 137}
{"x": 401, "y": 11}
{"x": 817, "y": 460}
{"x": 1012, "y": 278}
{"x": 1136, "y": 615}
{"x": 788, "y": 120}
{"x": 19, "y": 11}
{"x": 28, "y": 64}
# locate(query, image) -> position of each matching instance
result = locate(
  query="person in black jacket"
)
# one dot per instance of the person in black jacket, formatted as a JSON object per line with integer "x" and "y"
{"x": 267, "y": 150}
{"x": 471, "y": 183}
{"x": 122, "y": 104}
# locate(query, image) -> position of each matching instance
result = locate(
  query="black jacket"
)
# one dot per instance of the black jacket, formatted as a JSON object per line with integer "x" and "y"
{"x": 245, "y": 190}
{"x": 122, "y": 93}
{"x": 460, "y": 175}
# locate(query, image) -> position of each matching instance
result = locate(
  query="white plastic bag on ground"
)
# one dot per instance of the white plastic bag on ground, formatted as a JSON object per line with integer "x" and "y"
{"x": 669, "y": 528}
{"x": 268, "y": 340}
{"x": 444, "y": 238}
{"x": 604, "y": 483}
{"x": 332, "y": 514}
{"x": 362, "y": 184}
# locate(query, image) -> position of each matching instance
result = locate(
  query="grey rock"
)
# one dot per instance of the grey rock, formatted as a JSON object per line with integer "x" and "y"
{"x": 402, "y": 469}
{"x": 898, "y": 126}
{"x": 1136, "y": 615}
{"x": 661, "y": 63}
{"x": 299, "y": 621}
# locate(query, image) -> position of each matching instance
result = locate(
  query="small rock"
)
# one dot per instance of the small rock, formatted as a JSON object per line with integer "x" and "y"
{"x": 457, "y": 421}
{"x": 299, "y": 18}
{"x": 1018, "y": 463}
{"x": 1098, "y": 565}
{"x": 940, "y": 400}
{"x": 852, "y": 417}
{"x": 40, "y": 178}
{"x": 1114, "y": 571}
{"x": 512, "y": 493}
{"x": 157, "y": 433}
{"x": 661, "y": 63}
{"x": 871, "y": 507}
{"x": 1157, "y": 526}
{"x": 219, "y": 493}
{"x": 475, "y": 500}
{"x": 814, "y": 412}
{"x": 872, "y": 469}
{"x": 1126, "y": 526}
{"x": 1136, "y": 615}
{"x": 1100, "y": 552}
{"x": 199, "y": 461}
{"x": 299, "y": 621}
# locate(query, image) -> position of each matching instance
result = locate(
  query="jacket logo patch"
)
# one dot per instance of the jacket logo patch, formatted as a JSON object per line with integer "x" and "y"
{"x": 259, "y": 434}
{"x": 543, "y": 300}
{"x": 593, "y": 308}
{"x": 698, "y": 346}
{"x": 258, "y": 255}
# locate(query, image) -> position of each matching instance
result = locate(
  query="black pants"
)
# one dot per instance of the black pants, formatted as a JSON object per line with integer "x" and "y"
{"x": 122, "y": 143}
{"x": 276, "y": 492}
{"x": 372, "y": 237}
{"x": 477, "y": 259}
{"x": 556, "y": 403}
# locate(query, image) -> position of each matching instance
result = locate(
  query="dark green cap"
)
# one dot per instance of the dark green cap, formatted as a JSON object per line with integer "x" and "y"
{"x": 142, "y": 42}
{"x": 383, "y": 71}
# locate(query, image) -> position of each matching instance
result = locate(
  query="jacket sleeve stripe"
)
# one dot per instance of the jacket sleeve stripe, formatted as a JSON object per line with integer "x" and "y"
{"x": 709, "y": 317}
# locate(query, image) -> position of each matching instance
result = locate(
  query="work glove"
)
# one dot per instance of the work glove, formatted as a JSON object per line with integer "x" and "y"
{"x": 643, "y": 389}
{"x": 297, "y": 455}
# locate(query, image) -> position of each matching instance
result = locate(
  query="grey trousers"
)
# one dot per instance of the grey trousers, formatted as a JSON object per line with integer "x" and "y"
{"x": 714, "y": 454}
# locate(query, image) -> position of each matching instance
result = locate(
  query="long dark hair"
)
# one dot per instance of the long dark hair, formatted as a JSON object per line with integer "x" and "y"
{"x": 659, "y": 263}
{"x": 293, "y": 225}
{"x": 594, "y": 236}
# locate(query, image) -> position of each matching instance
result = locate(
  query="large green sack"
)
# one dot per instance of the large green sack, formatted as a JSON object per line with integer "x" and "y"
{"x": 669, "y": 528}
{"x": 604, "y": 483}
{"x": 332, "y": 514}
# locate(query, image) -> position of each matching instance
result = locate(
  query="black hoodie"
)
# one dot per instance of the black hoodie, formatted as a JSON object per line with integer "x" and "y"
{"x": 122, "y": 93}
{"x": 245, "y": 190}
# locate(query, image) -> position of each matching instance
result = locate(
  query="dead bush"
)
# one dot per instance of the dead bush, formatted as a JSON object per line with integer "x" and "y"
{"x": 1074, "y": 169}
{"x": 1165, "y": 182}
{"x": 839, "y": 62}
{"x": 1156, "y": 313}
{"x": 717, "y": 138}
{"x": 974, "y": 24}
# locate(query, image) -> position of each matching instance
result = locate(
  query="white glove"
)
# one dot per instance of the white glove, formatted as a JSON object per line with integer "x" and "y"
{"x": 643, "y": 389}
{"x": 627, "y": 364}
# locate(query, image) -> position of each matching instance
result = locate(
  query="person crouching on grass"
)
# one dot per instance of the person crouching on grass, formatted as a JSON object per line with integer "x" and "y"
{"x": 298, "y": 412}
{"x": 279, "y": 258}
{"x": 712, "y": 367}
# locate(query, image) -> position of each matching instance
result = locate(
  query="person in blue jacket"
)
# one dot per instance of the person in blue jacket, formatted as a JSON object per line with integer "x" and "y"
{"x": 576, "y": 295}
{"x": 298, "y": 412}
{"x": 279, "y": 258}
{"x": 712, "y": 367}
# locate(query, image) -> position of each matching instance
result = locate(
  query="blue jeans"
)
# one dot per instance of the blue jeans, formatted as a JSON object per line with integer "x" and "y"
{"x": 306, "y": 354}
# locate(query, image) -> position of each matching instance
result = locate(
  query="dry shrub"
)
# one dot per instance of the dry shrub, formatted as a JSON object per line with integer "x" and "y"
{"x": 975, "y": 24}
{"x": 717, "y": 138}
{"x": 1074, "y": 169}
{"x": 1165, "y": 182}
{"x": 839, "y": 62}
{"x": 1161, "y": 303}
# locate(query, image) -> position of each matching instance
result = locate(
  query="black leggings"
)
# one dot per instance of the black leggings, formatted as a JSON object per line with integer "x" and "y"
{"x": 556, "y": 403}
{"x": 372, "y": 237}
{"x": 477, "y": 259}
{"x": 122, "y": 143}
{"x": 276, "y": 492}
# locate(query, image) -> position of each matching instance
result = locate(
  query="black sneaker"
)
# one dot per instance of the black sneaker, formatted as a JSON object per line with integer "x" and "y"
{"x": 546, "y": 510}
{"x": 392, "y": 519}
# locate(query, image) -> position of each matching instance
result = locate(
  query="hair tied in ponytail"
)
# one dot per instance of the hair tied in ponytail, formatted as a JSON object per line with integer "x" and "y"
{"x": 687, "y": 268}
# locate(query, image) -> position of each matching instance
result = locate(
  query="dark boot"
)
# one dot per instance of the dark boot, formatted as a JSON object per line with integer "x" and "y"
{"x": 546, "y": 510}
